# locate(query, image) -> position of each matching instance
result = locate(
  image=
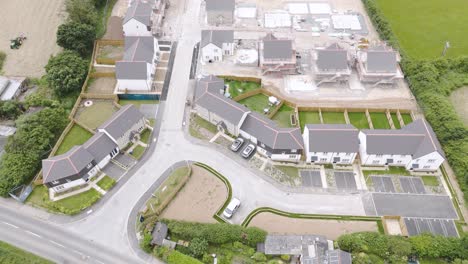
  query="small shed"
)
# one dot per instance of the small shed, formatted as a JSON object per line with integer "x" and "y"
{"x": 159, "y": 234}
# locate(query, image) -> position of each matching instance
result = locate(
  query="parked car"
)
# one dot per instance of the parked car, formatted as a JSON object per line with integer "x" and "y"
{"x": 237, "y": 144}
{"x": 231, "y": 208}
{"x": 248, "y": 151}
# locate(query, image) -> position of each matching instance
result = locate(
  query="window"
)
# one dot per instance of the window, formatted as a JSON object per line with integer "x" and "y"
{"x": 325, "y": 153}
{"x": 263, "y": 145}
{"x": 426, "y": 167}
{"x": 375, "y": 162}
{"x": 89, "y": 165}
{"x": 431, "y": 161}
{"x": 292, "y": 156}
{"x": 379, "y": 155}
{"x": 55, "y": 182}
{"x": 293, "y": 150}
{"x": 215, "y": 50}
{"x": 399, "y": 161}
{"x": 323, "y": 159}
{"x": 345, "y": 160}
{"x": 348, "y": 154}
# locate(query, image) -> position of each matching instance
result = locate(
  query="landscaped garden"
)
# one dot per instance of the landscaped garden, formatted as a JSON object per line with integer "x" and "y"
{"x": 76, "y": 136}
{"x": 95, "y": 115}
{"x": 138, "y": 151}
{"x": 358, "y": 119}
{"x": 333, "y": 118}
{"x": 430, "y": 180}
{"x": 395, "y": 120}
{"x": 283, "y": 116}
{"x": 379, "y": 120}
{"x": 106, "y": 183}
{"x": 308, "y": 118}
{"x": 256, "y": 103}
{"x": 406, "y": 118}
{"x": 237, "y": 88}
{"x": 71, "y": 205}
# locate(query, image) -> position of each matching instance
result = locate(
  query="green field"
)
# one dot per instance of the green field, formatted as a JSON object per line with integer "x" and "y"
{"x": 423, "y": 26}
{"x": 283, "y": 116}
{"x": 395, "y": 120}
{"x": 76, "y": 136}
{"x": 333, "y": 118}
{"x": 308, "y": 118}
{"x": 256, "y": 103}
{"x": 379, "y": 120}
{"x": 358, "y": 119}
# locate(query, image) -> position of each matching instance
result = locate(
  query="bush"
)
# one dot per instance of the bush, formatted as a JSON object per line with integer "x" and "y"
{"x": 10, "y": 109}
{"x": 258, "y": 256}
{"x": 145, "y": 243}
{"x": 77, "y": 37}
{"x": 198, "y": 247}
{"x": 285, "y": 257}
{"x": 82, "y": 11}
{"x": 66, "y": 72}
{"x": 2, "y": 59}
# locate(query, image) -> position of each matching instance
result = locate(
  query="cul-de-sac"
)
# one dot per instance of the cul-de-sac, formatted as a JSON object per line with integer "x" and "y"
{"x": 234, "y": 131}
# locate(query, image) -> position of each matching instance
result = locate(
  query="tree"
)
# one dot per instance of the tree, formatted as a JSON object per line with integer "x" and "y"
{"x": 145, "y": 243}
{"x": 76, "y": 36}
{"x": 82, "y": 11}
{"x": 198, "y": 247}
{"x": 66, "y": 72}
{"x": 9, "y": 109}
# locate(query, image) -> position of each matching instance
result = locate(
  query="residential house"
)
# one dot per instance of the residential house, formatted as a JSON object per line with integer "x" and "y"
{"x": 414, "y": 146}
{"x": 216, "y": 43}
{"x": 331, "y": 143}
{"x": 378, "y": 65}
{"x": 124, "y": 125}
{"x": 277, "y": 143}
{"x": 331, "y": 64}
{"x": 136, "y": 71}
{"x": 220, "y": 12}
{"x": 159, "y": 234}
{"x": 11, "y": 87}
{"x": 277, "y": 55}
{"x": 305, "y": 249}
{"x": 212, "y": 105}
{"x": 102, "y": 148}
{"x": 138, "y": 19}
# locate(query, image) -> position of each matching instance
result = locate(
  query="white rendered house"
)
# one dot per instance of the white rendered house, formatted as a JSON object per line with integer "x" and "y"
{"x": 215, "y": 44}
{"x": 138, "y": 19}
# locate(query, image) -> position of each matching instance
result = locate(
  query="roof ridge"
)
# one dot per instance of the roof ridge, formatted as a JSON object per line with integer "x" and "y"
{"x": 73, "y": 165}
{"x": 429, "y": 134}
{"x": 119, "y": 112}
{"x": 136, "y": 46}
{"x": 295, "y": 139}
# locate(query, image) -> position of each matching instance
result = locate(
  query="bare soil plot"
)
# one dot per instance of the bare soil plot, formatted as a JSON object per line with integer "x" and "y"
{"x": 199, "y": 199}
{"x": 96, "y": 114}
{"x": 111, "y": 52}
{"x": 38, "y": 21}
{"x": 101, "y": 85}
{"x": 459, "y": 99}
{"x": 332, "y": 229}
{"x": 114, "y": 27}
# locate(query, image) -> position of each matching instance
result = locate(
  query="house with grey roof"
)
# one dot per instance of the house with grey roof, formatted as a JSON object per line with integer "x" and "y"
{"x": 273, "y": 141}
{"x": 331, "y": 143}
{"x": 135, "y": 71}
{"x": 124, "y": 125}
{"x": 220, "y": 12}
{"x": 414, "y": 146}
{"x": 138, "y": 19}
{"x": 307, "y": 249}
{"x": 331, "y": 64}
{"x": 212, "y": 105}
{"x": 277, "y": 56}
{"x": 378, "y": 65}
{"x": 215, "y": 44}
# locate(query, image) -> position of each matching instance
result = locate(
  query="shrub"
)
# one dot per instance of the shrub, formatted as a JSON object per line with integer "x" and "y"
{"x": 2, "y": 59}
{"x": 77, "y": 37}
{"x": 198, "y": 247}
{"x": 258, "y": 256}
{"x": 285, "y": 257}
{"x": 145, "y": 243}
{"x": 82, "y": 11}
{"x": 66, "y": 72}
{"x": 176, "y": 257}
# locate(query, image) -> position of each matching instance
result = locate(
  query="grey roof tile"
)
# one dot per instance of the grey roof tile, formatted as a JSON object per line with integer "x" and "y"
{"x": 333, "y": 138}
{"x": 65, "y": 165}
{"x": 333, "y": 57}
{"x": 131, "y": 70}
{"x": 220, "y": 5}
{"x": 381, "y": 59}
{"x": 122, "y": 121}
{"x": 274, "y": 48}
{"x": 99, "y": 146}
{"x": 139, "y": 49}
{"x": 140, "y": 11}
{"x": 217, "y": 37}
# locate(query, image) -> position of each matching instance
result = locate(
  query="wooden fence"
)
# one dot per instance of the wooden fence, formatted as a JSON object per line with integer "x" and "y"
{"x": 241, "y": 78}
{"x": 102, "y": 74}
{"x": 247, "y": 94}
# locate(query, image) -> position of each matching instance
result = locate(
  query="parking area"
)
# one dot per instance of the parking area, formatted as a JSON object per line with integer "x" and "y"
{"x": 311, "y": 178}
{"x": 412, "y": 185}
{"x": 114, "y": 171}
{"x": 149, "y": 110}
{"x": 383, "y": 184}
{"x": 414, "y": 205}
{"x": 125, "y": 161}
{"x": 345, "y": 180}
{"x": 442, "y": 227}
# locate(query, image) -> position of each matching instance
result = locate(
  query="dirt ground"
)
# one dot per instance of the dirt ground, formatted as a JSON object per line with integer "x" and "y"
{"x": 332, "y": 229}
{"x": 459, "y": 100}
{"x": 198, "y": 201}
{"x": 38, "y": 21}
{"x": 102, "y": 85}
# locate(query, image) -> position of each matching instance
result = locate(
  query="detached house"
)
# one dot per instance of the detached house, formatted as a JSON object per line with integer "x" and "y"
{"x": 135, "y": 72}
{"x": 220, "y": 12}
{"x": 414, "y": 146}
{"x": 138, "y": 19}
{"x": 378, "y": 64}
{"x": 277, "y": 55}
{"x": 331, "y": 143}
{"x": 81, "y": 163}
{"x": 331, "y": 64}
{"x": 216, "y": 43}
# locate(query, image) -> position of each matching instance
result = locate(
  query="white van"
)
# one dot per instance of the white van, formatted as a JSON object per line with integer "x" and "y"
{"x": 231, "y": 208}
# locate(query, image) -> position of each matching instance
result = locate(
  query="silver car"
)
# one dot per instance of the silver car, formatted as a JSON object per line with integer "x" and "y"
{"x": 237, "y": 144}
{"x": 248, "y": 151}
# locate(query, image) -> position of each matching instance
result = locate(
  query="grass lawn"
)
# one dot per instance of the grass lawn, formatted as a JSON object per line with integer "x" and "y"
{"x": 406, "y": 118}
{"x": 138, "y": 152}
{"x": 308, "y": 118}
{"x": 106, "y": 183}
{"x": 423, "y": 26}
{"x": 12, "y": 254}
{"x": 379, "y": 120}
{"x": 283, "y": 116}
{"x": 145, "y": 136}
{"x": 205, "y": 124}
{"x": 395, "y": 120}
{"x": 71, "y": 205}
{"x": 137, "y": 103}
{"x": 391, "y": 171}
{"x": 358, "y": 119}
{"x": 237, "y": 87}
{"x": 95, "y": 115}
{"x": 430, "y": 180}
{"x": 290, "y": 171}
{"x": 76, "y": 136}
{"x": 256, "y": 103}
{"x": 333, "y": 118}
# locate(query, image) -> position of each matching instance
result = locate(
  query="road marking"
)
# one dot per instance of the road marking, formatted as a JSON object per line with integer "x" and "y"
{"x": 76, "y": 251}
{"x": 34, "y": 234}
{"x": 60, "y": 245}
{"x": 10, "y": 224}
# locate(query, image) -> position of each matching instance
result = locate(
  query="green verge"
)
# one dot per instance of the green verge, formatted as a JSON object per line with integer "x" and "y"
{"x": 390, "y": 171}
{"x": 216, "y": 216}
{"x": 138, "y": 151}
{"x": 12, "y": 254}
{"x": 106, "y": 183}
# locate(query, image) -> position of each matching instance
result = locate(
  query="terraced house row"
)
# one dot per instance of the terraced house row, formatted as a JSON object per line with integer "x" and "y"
{"x": 414, "y": 146}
